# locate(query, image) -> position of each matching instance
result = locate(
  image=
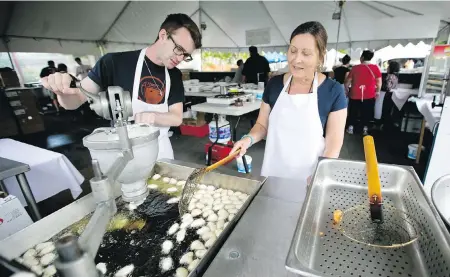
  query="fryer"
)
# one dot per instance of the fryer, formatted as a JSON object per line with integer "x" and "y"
{"x": 51, "y": 226}
{"x": 319, "y": 248}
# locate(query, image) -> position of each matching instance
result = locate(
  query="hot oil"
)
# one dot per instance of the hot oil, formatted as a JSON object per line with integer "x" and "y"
{"x": 135, "y": 236}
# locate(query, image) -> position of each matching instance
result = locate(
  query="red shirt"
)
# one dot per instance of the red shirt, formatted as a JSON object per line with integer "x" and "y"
{"x": 364, "y": 81}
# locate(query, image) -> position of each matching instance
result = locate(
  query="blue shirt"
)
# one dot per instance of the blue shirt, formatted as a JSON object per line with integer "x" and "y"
{"x": 330, "y": 96}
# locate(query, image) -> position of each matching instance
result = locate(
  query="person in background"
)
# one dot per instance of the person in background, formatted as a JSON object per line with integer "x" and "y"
{"x": 256, "y": 65}
{"x": 149, "y": 74}
{"x": 341, "y": 72}
{"x": 365, "y": 82}
{"x": 389, "y": 83}
{"x": 303, "y": 112}
{"x": 50, "y": 69}
{"x": 238, "y": 75}
{"x": 46, "y": 71}
{"x": 82, "y": 69}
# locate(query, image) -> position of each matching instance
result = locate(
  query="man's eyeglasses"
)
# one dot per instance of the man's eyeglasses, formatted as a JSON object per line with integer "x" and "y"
{"x": 179, "y": 50}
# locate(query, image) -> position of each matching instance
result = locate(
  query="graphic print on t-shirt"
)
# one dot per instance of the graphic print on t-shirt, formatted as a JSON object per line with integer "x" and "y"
{"x": 152, "y": 90}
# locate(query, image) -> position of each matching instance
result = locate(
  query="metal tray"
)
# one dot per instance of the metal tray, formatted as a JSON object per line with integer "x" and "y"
{"x": 440, "y": 195}
{"x": 43, "y": 230}
{"x": 318, "y": 249}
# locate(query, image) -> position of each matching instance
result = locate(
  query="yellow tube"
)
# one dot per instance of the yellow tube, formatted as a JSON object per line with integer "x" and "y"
{"x": 373, "y": 177}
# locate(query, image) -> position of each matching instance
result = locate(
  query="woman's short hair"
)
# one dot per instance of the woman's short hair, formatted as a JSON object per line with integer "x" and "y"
{"x": 319, "y": 33}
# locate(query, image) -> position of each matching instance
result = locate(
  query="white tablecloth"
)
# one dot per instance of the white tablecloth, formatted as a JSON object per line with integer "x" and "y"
{"x": 401, "y": 95}
{"x": 227, "y": 110}
{"x": 50, "y": 172}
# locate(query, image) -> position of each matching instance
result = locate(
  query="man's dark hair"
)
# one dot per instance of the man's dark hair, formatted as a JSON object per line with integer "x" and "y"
{"x": 367, "y": 55}
{"x": 78, "y": 59}
{"x": 346, "y": 60}
{"x": 51, "y": 63}
{"x": 62, "y": 67}
{"x": 253, "y": 50}
{"x": 393, "y": 68}
{"x": 179, "y": 20}
{"x": 239, "y": 62}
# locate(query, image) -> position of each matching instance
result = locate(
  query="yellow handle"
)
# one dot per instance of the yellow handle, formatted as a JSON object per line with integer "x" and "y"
{"x": 373, "y": 177}
{"x": 223, "y": 161}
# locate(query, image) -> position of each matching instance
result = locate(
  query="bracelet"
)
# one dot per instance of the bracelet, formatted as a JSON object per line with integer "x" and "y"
{"x": 248, "y": 136}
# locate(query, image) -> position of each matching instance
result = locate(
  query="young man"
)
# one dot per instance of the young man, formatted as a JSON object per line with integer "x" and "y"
{"x": 82, "y": 69}
{"x": 149, "y": 74}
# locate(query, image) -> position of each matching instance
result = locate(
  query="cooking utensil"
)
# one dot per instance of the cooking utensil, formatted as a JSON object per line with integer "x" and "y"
{"x": 196, "y": 176}
{"x": 440, "y": 192}
{"x": 373, "y": 180}
{"x": 319, "y": 248}
{"x": 366, "y": 225}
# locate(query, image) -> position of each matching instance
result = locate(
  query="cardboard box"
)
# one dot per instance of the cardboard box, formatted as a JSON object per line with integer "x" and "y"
{"x": 13, "y": 216}
{"x": 199, "y": 121}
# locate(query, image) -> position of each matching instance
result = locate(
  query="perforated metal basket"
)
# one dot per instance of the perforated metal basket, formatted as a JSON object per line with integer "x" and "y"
{"x": 320, "y": 249}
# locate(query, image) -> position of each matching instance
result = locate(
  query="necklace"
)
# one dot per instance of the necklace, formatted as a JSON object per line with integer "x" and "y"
{"x": 153, "y": 79}
{"x": 310, "y": 88}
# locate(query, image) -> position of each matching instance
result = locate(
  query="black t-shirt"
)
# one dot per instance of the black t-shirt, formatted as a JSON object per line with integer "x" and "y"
{"x": 117, "y": 69}
{"x": 253, "y": 66}
{"x": 47, "y": 71}
{"x": 339, "y": 73}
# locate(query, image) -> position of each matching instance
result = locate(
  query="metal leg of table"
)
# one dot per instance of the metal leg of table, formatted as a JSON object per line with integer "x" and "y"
{"x": 3, "y": 187}
{"x": 25, "y": 187}
{"x": 419, "y": 148}
{"x": 235, "y": 129}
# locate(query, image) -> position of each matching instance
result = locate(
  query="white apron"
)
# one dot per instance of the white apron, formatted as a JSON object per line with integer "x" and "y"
{"x": 295, "y": 135}
{"x": 165, "y": 148}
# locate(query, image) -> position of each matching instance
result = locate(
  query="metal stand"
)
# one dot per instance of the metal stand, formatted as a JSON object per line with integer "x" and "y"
{"x": 3, "y": 187}
{"x": 76, "y": 257}
{"x": 25, "y": 187}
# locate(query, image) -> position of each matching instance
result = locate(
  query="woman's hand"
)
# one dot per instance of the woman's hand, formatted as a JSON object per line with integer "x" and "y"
{"x": 244, "y": 144}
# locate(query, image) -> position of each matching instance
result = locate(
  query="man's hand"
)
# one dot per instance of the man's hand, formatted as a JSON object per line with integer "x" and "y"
{"x": 145, "y": 117}
{"x": 59, "y": 83}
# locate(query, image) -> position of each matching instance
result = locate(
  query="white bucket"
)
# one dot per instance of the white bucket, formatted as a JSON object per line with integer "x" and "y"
{"x": 412, "y": 151}
{"x": 240, "y": 164}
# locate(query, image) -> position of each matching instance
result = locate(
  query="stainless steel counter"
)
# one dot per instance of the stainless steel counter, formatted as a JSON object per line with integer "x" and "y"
{"x": 260, "y": 242}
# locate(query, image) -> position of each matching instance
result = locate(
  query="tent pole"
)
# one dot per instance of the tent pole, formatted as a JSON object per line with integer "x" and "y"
{"x": 101, "y": 48}
{"x": 201, "y": 32}
{"x": 9, "y": 54}
{"x": 341, "y": 7}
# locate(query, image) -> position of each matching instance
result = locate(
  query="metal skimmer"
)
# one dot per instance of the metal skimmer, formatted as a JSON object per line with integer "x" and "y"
{"x": 195, "y": 178}
{"x": 398, "y": 228}
{"x": 189, "y": 189}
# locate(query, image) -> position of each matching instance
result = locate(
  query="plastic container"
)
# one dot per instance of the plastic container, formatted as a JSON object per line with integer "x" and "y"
{"x": 224, "y": 130}
{"x": 194, "y": 131}
{"x": 240, "y": 164}
{"x": 412, "y": 151}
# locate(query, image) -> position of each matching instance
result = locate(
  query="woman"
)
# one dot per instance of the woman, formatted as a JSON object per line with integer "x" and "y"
{"x": 390, "y": 83}
{"x": 365, "y": 81}
{"x": 341, "y": 72}
{"x": 303, "y": 113}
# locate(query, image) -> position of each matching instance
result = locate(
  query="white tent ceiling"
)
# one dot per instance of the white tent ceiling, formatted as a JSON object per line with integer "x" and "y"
{"x": 78, "y": 27}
